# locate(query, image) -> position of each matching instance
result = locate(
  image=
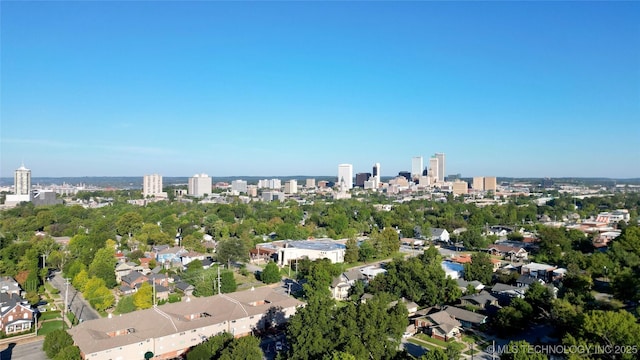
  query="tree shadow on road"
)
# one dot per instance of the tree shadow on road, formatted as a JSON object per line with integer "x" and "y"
{"x": 6, "y": 353}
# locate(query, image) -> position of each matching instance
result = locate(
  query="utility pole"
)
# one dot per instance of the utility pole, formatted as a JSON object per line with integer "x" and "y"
{"x": 153, "y": 294}
{"x": 219, "y": 282}
{"x": 66, "y": 295}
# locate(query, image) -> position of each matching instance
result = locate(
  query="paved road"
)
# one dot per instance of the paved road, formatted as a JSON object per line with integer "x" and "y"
{"x": 28, "y": 351}
{"x": 78, "y": 305}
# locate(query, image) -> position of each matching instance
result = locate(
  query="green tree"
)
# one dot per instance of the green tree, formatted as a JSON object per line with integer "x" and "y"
{"x": 129, "y": 224}
{"x": 247, "y": 347}
{"x": 103, "y": 265}
{"x": 143, "y": 298}
{"x": 521, "y": 350}
{"x": 435, "y": 354}
{"x": 228, "y": 282}
{"x": 480, "y": 268}
{"x": 270, "y": 274}
{"x": 366, "y": 251}
{"x": 125, "y": 305}
{"x": 351, "y": 253}
{"x": 68, "y": 353}
{"x": 232, "y": 250}
{"x": 55, "y": 341}
{"x": 212, "y": 348}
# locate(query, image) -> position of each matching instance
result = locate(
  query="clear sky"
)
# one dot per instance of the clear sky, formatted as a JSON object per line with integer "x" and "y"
{"x": 296, "y": 88}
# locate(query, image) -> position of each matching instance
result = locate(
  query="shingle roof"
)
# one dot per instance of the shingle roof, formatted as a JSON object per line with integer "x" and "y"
{"x": 92, "y": 336}
{"x": 465, "y": 315}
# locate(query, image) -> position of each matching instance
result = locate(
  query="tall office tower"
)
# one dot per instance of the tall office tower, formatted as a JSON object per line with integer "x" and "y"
{"x": 433, "y": 168}
{"x": 239, "y": 186}
{"x": 441, "y": 166}
{"x": 478, "y": 183}
{"x": 152, "y": 185}
{"x": 416, "y": 167}
{"x": 199, "y": 185}
{"x": 361, "y": 178}
{"x": 22, "y": 181}
{"x": 490, "y": 183}
{"x": 376, "y": 172}
{"x": 311, "y": 183}
{"x": 460, "y": 187}
{"x": 405, "y": 174}
{"x": 291, "y": 187}
{"x": 345, "y": 176}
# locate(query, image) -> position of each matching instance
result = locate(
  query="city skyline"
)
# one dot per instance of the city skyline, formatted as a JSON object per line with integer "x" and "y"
{"x": 231, "y": 89}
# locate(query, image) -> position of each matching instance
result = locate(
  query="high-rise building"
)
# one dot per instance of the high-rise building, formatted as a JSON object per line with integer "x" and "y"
{"x": 460, "y": 187}
{"x": 311, "y": 183}
{"x": 376, "y": 172}
{"x": 361, "y": 178}
{"x": 433, "y": 169}
{"x": 490, "y": 183}
{"x": 239, "y": 186}
{"x": 478, "y": 183}
{"x": 405, "y": 174}
{"x": 345, "y": 176}
{"x": 291, "y": 187}
{"x": 152, "y": 186}
{"x": 199, "y": 185}
{"x": 416, "y": 167}
{"x": 22, "y": 181}
{"x": 441, "y": 166}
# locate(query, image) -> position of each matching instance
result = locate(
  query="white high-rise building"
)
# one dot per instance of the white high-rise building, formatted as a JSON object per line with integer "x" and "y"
{"x": 199, "y": 185}
{"x": 311, "y": 183}
{"x": 441, "y": 167}
{"x": 239, "y": 186}
{"x": 291, "y": 187}
{"x": 433, "y": 169}
{"x": 152, "y": 186}
{"x": 22, "y": 181}
{"x": 345, "y": 176}
{"x": 416, "y": 167}
{"x": 376, "y": 172}
{"x": 22, "y": 187}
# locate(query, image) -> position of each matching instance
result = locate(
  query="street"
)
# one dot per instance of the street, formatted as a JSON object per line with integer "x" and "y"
{"x": 28, "y": 351}
{"x": 77, "y": 305}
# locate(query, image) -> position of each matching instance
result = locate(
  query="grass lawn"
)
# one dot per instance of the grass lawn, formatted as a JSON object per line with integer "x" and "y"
{"x": 431, "y": 340}
{"x": 50, "y": 326}
{"x": 53, "y": 291}
{"x": 422, "y": 344}
{"x": 49, "y": 315}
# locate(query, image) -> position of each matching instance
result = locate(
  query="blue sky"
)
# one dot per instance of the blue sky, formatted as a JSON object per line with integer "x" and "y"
{"x": 296, "y": 88}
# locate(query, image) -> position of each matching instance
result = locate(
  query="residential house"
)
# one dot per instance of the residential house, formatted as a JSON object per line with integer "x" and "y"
{"x": 10, "y": 286}
{"x": 189, "y": 256}
{"x": 15, "y": 314}
{"x": 527, "y": 280}
{"x": 463, "y": 285}
{"x": 442, "y": 326}
{"x": 132, "y": 279}
{"x": 341, "y": 285}
{"x": 499, "y": 230}
{"x": 125, "y": 268}
{"x": 371, "y": 271}
{"x": 438, "y": 234}
{"x": 170, "y": 255}
{"x": 481, "y": 300}
{"x": 168, "y": 331}
{"x": 466, "y": 318}
{"x": 185, "y": 288}
{"x": 159, "y": 279}
{"x": 509, "y": 252}
{"x": 504, "y": 292}
{"x": 540, "y": 271}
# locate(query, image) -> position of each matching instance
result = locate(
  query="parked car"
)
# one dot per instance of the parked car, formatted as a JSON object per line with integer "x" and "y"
{"x": 278, "y": 345}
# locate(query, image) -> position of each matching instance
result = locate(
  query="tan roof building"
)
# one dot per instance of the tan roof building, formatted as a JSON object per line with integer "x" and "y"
{"x": 169, "y": 330}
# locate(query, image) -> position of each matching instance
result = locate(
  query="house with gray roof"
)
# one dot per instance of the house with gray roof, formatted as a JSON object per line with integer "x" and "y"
{"x": 466, "y": 318}
{"x": 481, "y": 300}
{"x": 15, "y": 314}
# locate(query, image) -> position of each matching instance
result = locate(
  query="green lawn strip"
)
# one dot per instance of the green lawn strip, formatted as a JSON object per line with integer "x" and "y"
{"x": 72, "y": 318}
{"x": 50, "y": 326}
{"x": 422, "y": 344}
{"x": 431, "y": 340}
{"x": 48, "y": 315}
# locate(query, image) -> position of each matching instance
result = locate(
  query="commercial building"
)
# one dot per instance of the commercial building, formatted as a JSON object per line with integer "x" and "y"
{"x": 441, "y": 166}
{"x": 199, "y": 185}
{"x": 490, "y": 183}
{"x": 345, "y": 176}
{"x": 376, "y": 172}
{"x": 272, "y": 195}
{"x": 311, "y": 183}
{"x": 478, "y": 183}
{"x": 460, "y": 187}
{"x": 152, "y": 186}
{"x": 239, "y": 186}
{"x": 291, "y": 187}
{"x": 416, "y": 167}
{"x": 433, "y": 169}
{"x": 275, "y": 184}
{"x": 361, "y": 178}
{"x": 168, "y": 331}
{"x": 290, "y": 250}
